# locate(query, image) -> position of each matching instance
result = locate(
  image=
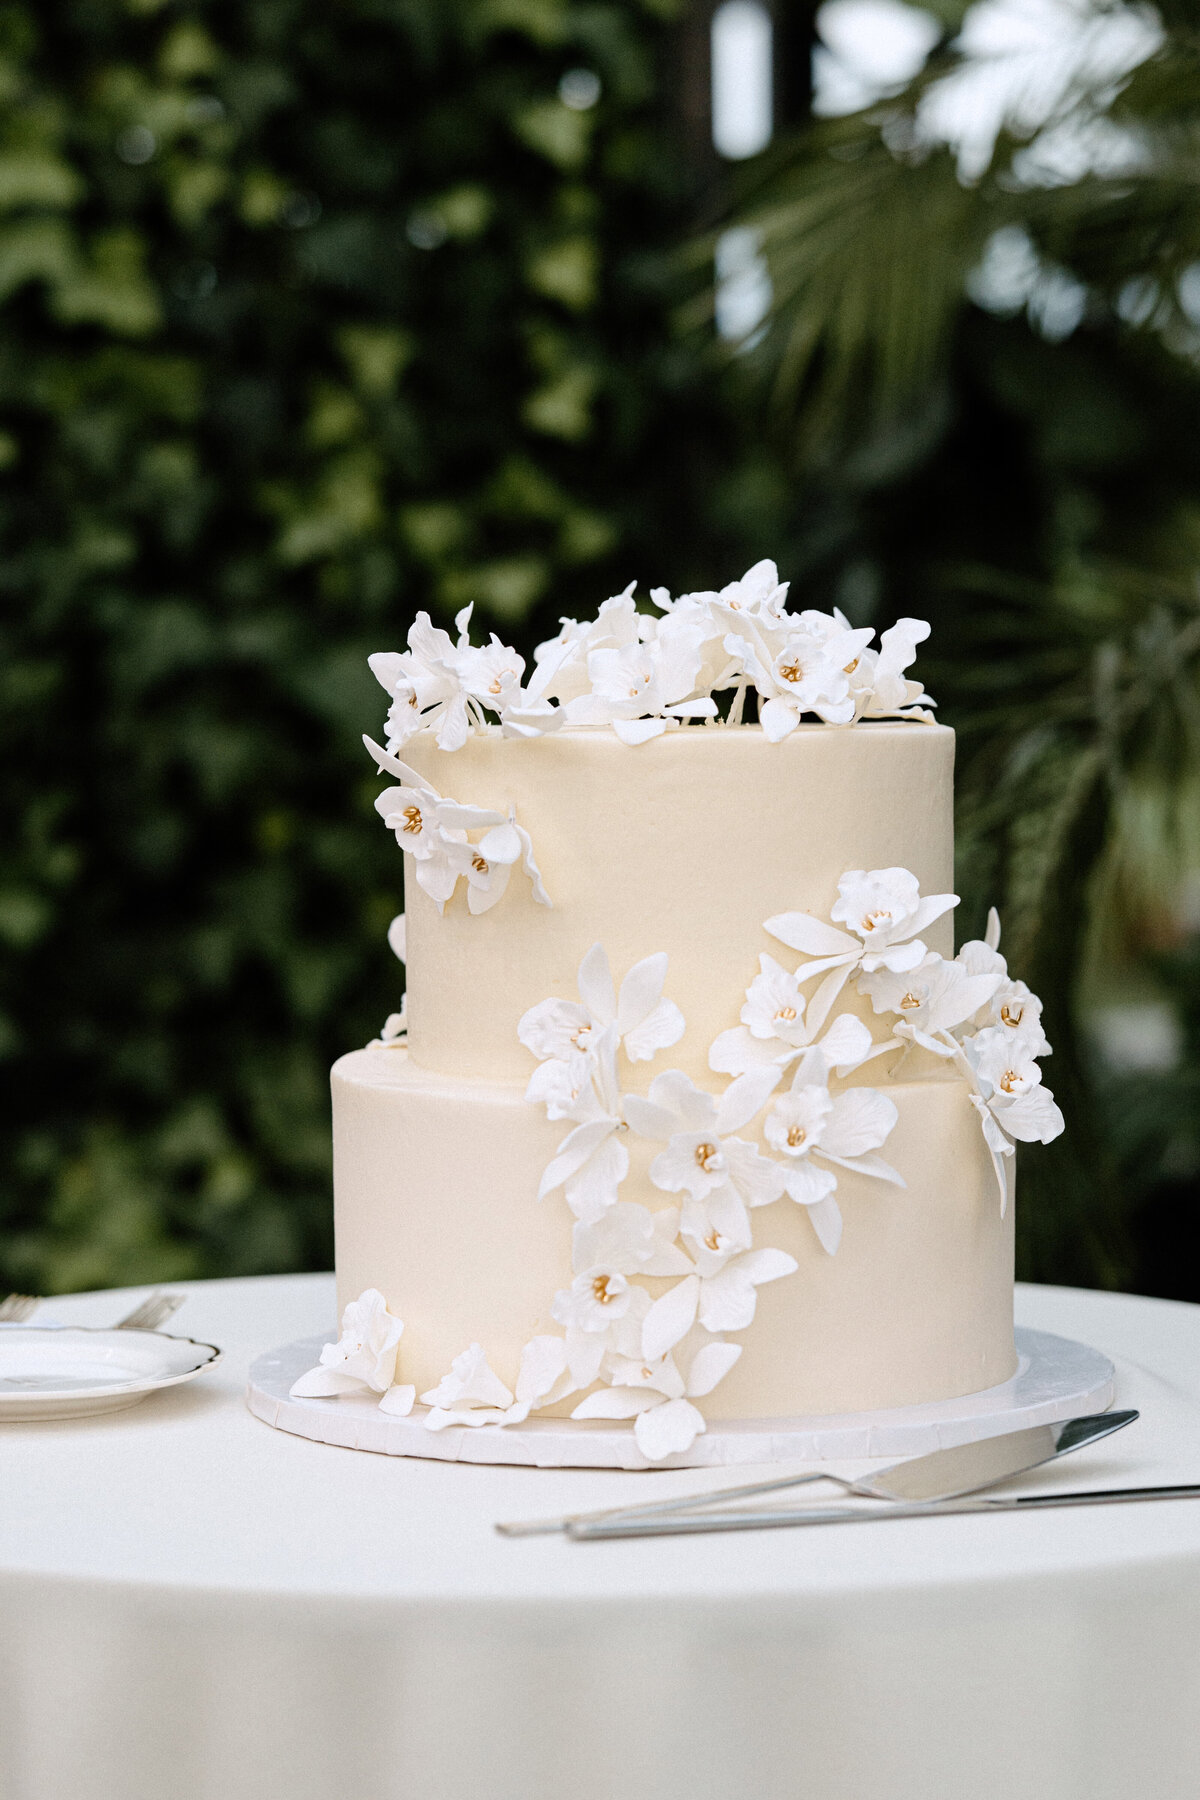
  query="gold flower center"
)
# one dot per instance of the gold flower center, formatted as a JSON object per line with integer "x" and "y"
{"x": 786, "y": 1012}
{"x": 1010, "y": 1017}
{"x": 872, "y": 919}
{"x": 496, "y": 686}
{"x": 713, "y": 1240}
{"x": 792, "y": 671}
{"x": 909, "y": 1001}
{"x": 413, "y": 821}
{"x": 1009, "y": 1080}
{"x": 580, "y": 1037}
{"x": 850, "y": 667}
{"x": 478, "y": 864}
{"x": 796, "y": 1136}
{"x": 706, "y": 1156}
{"x": 601, "y": 1293}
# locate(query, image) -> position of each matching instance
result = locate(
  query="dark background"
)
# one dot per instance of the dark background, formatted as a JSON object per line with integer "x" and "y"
{"x": 316, "y": 312}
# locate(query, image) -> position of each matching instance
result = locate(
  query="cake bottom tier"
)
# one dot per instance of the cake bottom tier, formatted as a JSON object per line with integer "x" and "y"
{"x": 435, "y": 1194}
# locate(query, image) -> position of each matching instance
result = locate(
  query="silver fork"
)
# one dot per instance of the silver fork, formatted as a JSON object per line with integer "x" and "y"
{"x": 15, "y": 1308}
{"x": 153, "y": 1311}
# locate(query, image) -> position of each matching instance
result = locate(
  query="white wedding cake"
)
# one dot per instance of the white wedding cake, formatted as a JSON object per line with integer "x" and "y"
{"x": 691, "y": 1113}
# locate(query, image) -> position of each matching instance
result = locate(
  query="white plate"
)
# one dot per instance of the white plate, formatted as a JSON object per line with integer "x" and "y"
{"x": 65, "y": 1371}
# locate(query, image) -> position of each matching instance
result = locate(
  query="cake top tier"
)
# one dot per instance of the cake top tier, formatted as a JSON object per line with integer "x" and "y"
{"x": 687, "y": 845}
{"x": 643, "y": 673}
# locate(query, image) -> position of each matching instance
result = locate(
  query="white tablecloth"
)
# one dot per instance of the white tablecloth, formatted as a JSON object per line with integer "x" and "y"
{"x": 196, "y": 1607}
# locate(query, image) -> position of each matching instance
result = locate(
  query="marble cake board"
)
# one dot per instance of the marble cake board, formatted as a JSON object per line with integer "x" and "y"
{"x": 1056, "y": 1378}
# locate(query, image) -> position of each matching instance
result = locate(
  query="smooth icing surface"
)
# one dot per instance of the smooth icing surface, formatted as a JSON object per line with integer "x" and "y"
{"x": 436, "y": 1182}
{"x": 685, "y": 844}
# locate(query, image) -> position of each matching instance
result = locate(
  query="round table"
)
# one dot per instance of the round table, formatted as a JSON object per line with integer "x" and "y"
{"x": 196, "y": 1607}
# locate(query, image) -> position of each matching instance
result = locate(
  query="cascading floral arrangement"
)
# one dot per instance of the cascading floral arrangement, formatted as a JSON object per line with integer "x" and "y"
{"x": 648, "y": 1359}
{"x": 638, "y": 673}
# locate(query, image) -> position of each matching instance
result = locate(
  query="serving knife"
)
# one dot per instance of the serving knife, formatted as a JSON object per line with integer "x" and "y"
{"x": 677, "y": 1525}
{"x": 921, "y": 1481}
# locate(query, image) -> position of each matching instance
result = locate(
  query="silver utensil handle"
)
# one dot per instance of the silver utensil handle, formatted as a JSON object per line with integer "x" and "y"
{"x": 762, "y": 1520}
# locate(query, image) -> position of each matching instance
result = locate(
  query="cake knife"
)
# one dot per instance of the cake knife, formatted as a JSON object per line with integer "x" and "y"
{"x": 939, "y": 1476}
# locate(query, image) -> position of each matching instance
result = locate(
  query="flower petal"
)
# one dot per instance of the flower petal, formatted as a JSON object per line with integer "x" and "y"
{"x": 670, "y": 1318}
{"x": 812, "y": 937}
{"x": 318, "y": 1383}
{"x": 710, "y": 1365}
{"x": 596, "y": 988}
{"x": 826, "y": 1216}
{"x": 638, "y": 731}
{"x": 736, "y": 1050}
{"x": 649, "y": 1120}
{"x": 398, "y": 1401}
{"x": 861, "y": 1120}
{"x": 615, "y": 1403}
{"x": 661, "y": 1028}
{"x": 573, "y": 1152}
{"x": 745, "y": 1098}
{"x": 668, "y": 1430}
{"x": 778, "y": 720}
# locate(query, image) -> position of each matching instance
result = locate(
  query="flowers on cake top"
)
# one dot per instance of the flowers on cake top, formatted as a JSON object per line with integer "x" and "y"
{"x": 643, "y": 673}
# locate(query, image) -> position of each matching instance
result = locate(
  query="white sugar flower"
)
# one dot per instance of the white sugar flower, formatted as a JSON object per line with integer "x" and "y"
{"x": 430, "y": 829}
{"x": 929, "y": 1001}
{"x": 491, "y": 673}
{"x": 596, "y": 1327}
{"x": 394, "y": 1033}
{"x": 774, "y": 1006}
{"x": 645, "y": 1022}
{"x": 891, "y": 694}
{"x": 397, "y": 937}
{"x": 631, "y": 1240}
{"x": 1013, "y": 1105}
{"x": 471, "y": 1394}
{"x": 426, "y": 684}
{"x": 1012, "y": 1004}
{"x": 640, "y": 688}
{"x": 364, "y": 1357}
{"x": 492, "y": 862}
{"x": 812, "y": 1128}
{"x": 799, "y": 665}
{"x": 657, "y": 1397}
{"x": 591, "y": 1161}
{"x": 884, "y": 910}
{"x": 722, "y": 1295}
{"x": 721, "y": 1174}
{"x": 561, "y": 671}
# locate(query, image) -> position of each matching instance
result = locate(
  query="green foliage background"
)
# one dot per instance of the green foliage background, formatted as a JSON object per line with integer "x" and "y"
{"x": 314, "y": 312}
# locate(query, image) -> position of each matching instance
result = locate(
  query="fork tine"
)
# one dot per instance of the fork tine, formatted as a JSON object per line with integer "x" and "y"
{"x": 16, "y": 1307}
{"x": 152, "y": 1312}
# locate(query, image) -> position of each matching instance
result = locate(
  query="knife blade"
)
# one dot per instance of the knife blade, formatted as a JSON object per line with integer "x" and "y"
{"x": 697, "y": 1522}
{"x": 940, "y": 1475}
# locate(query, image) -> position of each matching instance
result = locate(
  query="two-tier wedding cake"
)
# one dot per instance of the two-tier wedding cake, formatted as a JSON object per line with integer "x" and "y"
{"x": 692, "y": 1113}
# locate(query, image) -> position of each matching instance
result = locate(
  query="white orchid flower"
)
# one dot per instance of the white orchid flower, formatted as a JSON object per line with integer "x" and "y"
{"x": 561, "y": 663}
{"x": 426, "y": 684}
{"x": 471, "y": 1394}
{"x": 778, "y": 1024}
{"x": 722, "y": 1295}
{"x": 721, "y": 1174}
{"x": 640, "y": 688}
{"x": 1012, "y": 1103}
{"x": 929, "y": 1001}
{"x": 845, "y": 1130}
{"x": 364, "y": 1357}
{"x": 631, "y": 1240}
{"x": 797, "y": 664}
{"x": 429, "y": 828}
{"x": 394, "y": 1033}
{"x": 891, "y": 694}
{"x": 603, "y": 1315}
{"x": 658, "y": 1398}
{"x": 1012, "y": 1004}
{"x": 884, "y": 909}
{"x": 591, "y": 1162}
{"x": 493, "y": 860}
{"x": 645, "y": 1022}
{"x": 490, "y": 673}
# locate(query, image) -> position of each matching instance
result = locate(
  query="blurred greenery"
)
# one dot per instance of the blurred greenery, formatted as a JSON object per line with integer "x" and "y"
{"x": 313, "y": 314}
{"x": 986, "y": 380}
